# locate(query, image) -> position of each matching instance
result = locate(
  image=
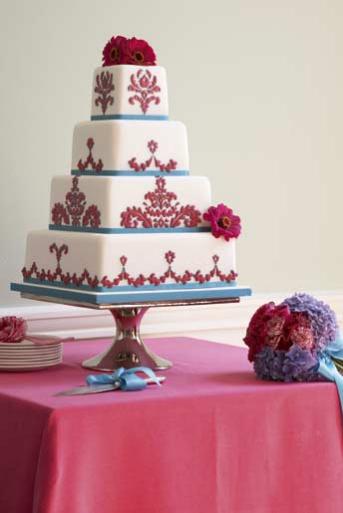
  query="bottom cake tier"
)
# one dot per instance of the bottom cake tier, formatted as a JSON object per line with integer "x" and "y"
{"x": 100, "y": 268}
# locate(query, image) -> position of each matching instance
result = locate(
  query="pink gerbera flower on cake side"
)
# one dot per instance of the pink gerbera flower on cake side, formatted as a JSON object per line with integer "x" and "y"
{"x": 224, "y": 223}
{"x": 115, "y": 51}
{"x": 140, "y": 53}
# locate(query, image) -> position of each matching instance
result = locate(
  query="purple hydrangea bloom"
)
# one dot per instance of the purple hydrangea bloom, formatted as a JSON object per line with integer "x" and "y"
{"x": 323, "y": 320}
{"x": 296, "y": 364}
{"x": 299, "y": 365}
{"x": 268, "y": 364}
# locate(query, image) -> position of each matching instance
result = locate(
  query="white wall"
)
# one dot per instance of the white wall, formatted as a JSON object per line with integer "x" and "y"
{"x": 259, "y": 84}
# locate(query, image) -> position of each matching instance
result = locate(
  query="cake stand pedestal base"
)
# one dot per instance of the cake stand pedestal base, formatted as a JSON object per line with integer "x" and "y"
{"x": 128, "y": 349}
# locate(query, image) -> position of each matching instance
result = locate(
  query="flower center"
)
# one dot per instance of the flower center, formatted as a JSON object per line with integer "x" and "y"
{"x": 114, "y": 55}
{"x": 224, "y": 222}
{"x": 138, "y": 56}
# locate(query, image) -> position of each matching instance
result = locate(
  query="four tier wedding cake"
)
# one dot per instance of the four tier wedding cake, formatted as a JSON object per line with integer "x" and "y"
{"x": 129, "y": 224}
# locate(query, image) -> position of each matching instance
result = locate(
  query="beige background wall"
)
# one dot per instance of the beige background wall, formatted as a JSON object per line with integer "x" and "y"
{"x": 259, "y": 85}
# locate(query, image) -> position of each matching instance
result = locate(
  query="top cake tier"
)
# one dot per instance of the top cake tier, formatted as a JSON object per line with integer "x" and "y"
{"x": 129, "y": 92}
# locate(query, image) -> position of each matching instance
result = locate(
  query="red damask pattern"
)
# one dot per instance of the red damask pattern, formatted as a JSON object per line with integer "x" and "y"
{"x": 90, "y": 162}
{"x": 103, "y": 88}
{"x": 124, "y": 277}
{"x": 160, "y": 210}
{"x": 62, "y": 250}
{"x": 74, "y": 211}
{"x": 152, "y": 161}
{"x": 144, "y": 85}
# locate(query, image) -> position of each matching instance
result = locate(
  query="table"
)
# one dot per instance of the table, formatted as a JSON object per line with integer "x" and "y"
{"x": 213, "y": 439}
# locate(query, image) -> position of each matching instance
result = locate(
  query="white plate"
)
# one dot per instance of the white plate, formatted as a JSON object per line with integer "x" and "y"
{"x": 28, "y": 357}
{"x": 27, "y": 345}
{"x": 31, "y": 351}
{"x": 30, "y": 364}
{"x": 37, "y": 350}
{"x": 7, "y": 360}
{"x": 28, "y": 367}
{"x": 23, "y": 360}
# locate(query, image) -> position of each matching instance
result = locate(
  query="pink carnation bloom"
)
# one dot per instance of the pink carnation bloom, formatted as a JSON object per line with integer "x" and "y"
{"x": 298, "y": 331}
{"x": 114, "y": 51}
{"x": 12, "y": 329}
{"x": 273, "y": 330}
{"x": 139, "y": 52}
{"x": 224, "y": 223}
{"x": 266, "y": 328}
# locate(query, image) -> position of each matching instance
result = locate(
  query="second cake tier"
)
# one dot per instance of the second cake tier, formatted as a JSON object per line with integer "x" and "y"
{"x": 130, "y": 148}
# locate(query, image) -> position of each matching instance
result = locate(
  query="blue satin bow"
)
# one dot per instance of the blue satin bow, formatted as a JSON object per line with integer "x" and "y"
{"x": 327, "y": 367}
{"x": 124, "y": 379}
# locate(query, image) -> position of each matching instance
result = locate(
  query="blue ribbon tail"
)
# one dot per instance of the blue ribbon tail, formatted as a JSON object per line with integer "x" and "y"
{"x": 145, "y": 370}
{"x": 131, "y": 382}
{"x": 328, "y": 370}
{"x": 335, "y": 349}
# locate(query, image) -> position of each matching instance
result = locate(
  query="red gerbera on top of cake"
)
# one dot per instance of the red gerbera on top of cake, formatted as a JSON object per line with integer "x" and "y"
{"x": 114, "y": 51}
{"x": 121, "y": 50}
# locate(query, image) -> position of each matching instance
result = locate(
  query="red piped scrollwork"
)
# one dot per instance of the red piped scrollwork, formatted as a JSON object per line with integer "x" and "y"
{"x": 124, "y": 277}
{"x": 61, "y": 250}
{"x": 144, "y": 85}
{"x": 160, "y": 210}
{"x": 90, "y": 162}
{"x": 103, "y": 88}
{"x": 73, "y": 211}
{"x": 152, "y": 161}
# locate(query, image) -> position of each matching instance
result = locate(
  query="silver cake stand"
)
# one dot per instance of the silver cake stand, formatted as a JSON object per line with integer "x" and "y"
{"x": 128, "y": 349}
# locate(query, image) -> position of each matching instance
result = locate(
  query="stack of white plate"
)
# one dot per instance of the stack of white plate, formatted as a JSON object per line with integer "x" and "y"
{"x": 25, "y": 355}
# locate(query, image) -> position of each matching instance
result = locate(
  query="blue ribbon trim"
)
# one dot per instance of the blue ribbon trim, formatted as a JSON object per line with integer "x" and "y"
{"x": 124, "y": 379}
{"x": 133, "y": 296}
{"x": 126, "y": 172}
{"x": 327, "y": 367}
{"x": 131, "y": 231}
{"x": 133, "y": 117}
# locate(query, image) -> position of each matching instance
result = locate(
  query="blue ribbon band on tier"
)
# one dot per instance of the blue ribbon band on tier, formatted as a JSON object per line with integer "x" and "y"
{"x": 105, "y": 298}
{"x": 327, "y": 367}
{"x": 132, "y": 231}
{"x": 127, "y": 172}
{"x": 134, "y": 117}
{"x": 124, "y": 379}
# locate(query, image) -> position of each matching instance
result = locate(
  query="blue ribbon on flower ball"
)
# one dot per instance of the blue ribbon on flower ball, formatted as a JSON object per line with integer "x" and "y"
{"x": 124, "y": 379}
{"x": 327, "y": 367}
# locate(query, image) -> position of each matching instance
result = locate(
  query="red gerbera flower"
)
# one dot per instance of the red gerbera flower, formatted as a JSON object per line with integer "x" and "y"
{"x": 139, "y": 52}
{"x": 115, "y": 51}
{"x": 223, "y": 222}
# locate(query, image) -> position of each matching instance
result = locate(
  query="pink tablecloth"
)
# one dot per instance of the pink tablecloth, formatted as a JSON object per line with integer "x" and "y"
{"x": 213, "y": 439}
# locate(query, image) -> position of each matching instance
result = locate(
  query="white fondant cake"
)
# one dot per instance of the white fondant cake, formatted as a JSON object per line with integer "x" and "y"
{"x": 120, "y": 147}
{"x": 129, "y": 224}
